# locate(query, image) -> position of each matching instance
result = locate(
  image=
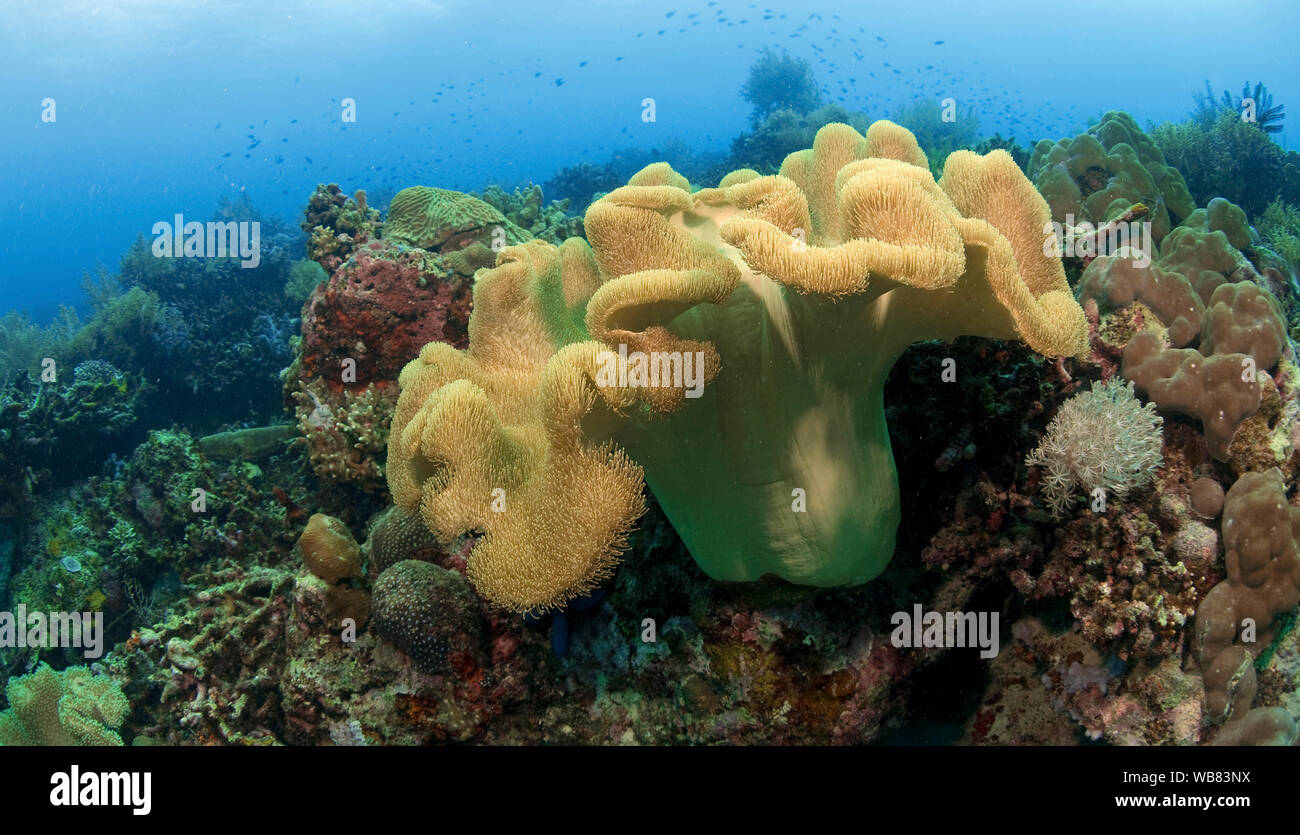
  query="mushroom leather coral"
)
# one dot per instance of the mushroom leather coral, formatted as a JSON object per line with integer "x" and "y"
{"x": 488, "y": 439}
{"x": 798, "y": 292}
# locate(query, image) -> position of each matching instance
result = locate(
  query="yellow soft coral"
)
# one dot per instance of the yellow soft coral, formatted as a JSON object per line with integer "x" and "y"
{"x": 489, "y": 440}
{"x": 796, "y": 293}
{"x": 70, "y": 707}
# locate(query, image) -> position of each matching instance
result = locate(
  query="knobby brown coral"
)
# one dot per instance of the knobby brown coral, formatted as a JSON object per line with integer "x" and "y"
{"x": 1241, "y": 616}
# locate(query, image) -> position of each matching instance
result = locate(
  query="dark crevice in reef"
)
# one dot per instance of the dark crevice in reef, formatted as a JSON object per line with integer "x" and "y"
{"x": 944, "y": 695}
{"x": 949, "y": 435}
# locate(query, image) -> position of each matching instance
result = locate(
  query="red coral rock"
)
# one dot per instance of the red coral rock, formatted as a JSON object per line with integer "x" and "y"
{"x": 381, "y": 306}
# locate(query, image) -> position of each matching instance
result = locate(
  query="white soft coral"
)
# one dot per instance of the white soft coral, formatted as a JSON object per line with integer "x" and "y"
{"x": 1102, "y": 438}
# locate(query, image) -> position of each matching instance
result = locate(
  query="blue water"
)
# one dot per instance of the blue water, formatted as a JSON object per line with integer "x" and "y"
{"x": 151, "y": 95}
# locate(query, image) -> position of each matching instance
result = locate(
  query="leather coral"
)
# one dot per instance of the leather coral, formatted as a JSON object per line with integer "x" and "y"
{"x": 786, "y": 300}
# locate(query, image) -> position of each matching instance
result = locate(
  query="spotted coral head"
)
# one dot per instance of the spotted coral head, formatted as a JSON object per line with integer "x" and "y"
{"x": 784, "y": 299}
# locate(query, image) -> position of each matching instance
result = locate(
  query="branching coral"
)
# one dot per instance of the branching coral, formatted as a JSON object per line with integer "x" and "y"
{"x": 1104, "y": 438}
{"x": 346, "y": 440}
{"x": 337, "y": 224}
{"x": 525, "y": 208}
{"x": 56, "y": 430}
{"x": 793, "y": 295}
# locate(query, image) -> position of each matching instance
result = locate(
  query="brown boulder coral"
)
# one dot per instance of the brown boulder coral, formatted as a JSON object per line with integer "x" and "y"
{"x": 1099, "y": 175}
{"x": 1208, "y": 328}
{"x": 734, "y": 343}
{"x": 1242, "y": 615}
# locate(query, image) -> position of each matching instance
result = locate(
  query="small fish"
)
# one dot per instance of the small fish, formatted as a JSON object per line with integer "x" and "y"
{"x": 938, "y": 43}
{"x": 559, "y": 82}
{"x": 226, "y": 154}
{"x": 582, "y": 63}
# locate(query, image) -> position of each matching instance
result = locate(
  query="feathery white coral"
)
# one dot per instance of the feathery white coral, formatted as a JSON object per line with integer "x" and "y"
{"x": 1103, "y": 438}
